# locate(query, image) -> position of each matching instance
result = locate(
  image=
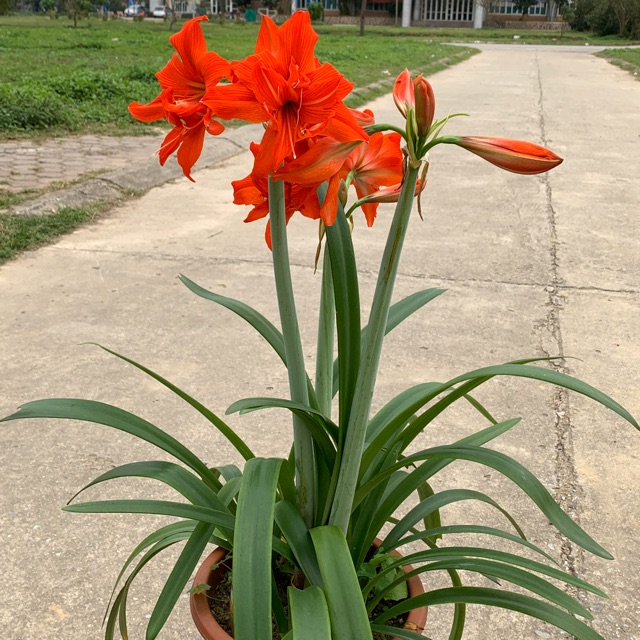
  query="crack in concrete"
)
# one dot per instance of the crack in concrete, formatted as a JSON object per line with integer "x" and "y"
{"x": 567, "y": 491}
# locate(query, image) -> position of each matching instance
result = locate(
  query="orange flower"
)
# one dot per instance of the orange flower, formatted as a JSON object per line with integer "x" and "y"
{"x": 184, "y": 80}
{"x": 375, "y": 164}
{"x": 284, "y": 85}
{"x": 512, "y": 155}
{"x": 321, "y": 163}
{"x": 254, "y": 190}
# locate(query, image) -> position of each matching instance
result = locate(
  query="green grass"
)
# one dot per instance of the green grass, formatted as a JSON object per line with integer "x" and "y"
{"x": 56, "y": 79}
{"x": 21, "y": 233}
{"x": 628, "y": 59}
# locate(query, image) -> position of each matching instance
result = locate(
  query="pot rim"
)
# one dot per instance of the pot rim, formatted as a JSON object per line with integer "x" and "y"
{"x": 209, "y": 628}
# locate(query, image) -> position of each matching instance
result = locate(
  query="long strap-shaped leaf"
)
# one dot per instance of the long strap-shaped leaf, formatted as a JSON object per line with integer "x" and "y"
{"x": 496, "y": 598}
{"x": 434, "y": 503}
{"x": 398, "y": 312}
{"x": 296, "y": 534}
{"x": 309, "y": 614}
{"x": 261, "y": 324}
{"x": 219, "y": 424}
{"x": 175, "y": 476}
{"x": 497, "y": 570}
{"x": 347, "y": 297}
{"x": 506, "y": 466}
{"x": 341, "y": 587}
{"x": 178, "y": 578}
{"x": 106, "y": 414}
{"x": 253, "y": 549}
{"x": 372, "y": 348}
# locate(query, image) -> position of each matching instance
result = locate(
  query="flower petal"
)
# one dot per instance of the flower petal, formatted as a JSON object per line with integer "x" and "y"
{"x": 517, "y": 156}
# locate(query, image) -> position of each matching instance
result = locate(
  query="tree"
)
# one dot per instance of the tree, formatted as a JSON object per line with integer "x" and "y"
{"x": 523, "y": 6}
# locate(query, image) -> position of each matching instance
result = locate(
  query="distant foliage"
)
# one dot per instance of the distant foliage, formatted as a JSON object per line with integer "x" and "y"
{"x": 316, "y": 11}
{"x": 608, "y": 17}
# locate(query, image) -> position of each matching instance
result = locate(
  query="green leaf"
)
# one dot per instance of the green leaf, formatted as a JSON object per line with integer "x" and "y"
{"x": 101, "y": 413}
{"x": 182, "y": 528}
{"x": 347, "y": 297}
{"x": 499, "y": 571}
{"x": 118, "y": 611}
{"x": 247, "y": 405}
{"x": 156, "y": 507}
{"x": 481, "y": 437}
{"x": 496, "y": 598}
{"x": 341, "y": 587}
{"x": 506, "y": 466}
{"x": 552, "y": 377}
{"x": 309, "y": 614}
{"x": 428, "y": 534}
{"x": 219, "y": 424}
{"x": 463, "y": 553}
{"x": 178, "y": 578}
{"x": 296, "y": 534}
{"x": 263, "y": 326}
{"x": 394, "y": 632}
{"x": 435, "y": 502}
{"x": 430, "y": 520}
{"x": 398, "y": 312}
{"x": 253, "y": 549}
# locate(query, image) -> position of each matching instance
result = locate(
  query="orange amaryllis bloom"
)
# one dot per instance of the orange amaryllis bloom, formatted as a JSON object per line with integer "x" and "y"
{"x": 284, "y": 85}
{"x": 373, "y": 165}
{"x": 512, "y": 155}
{"x": 418, "y": 95}
{"x": 254, "y": 190}
{"x": 322, "y": 162}
{"x": 184, "y": 81}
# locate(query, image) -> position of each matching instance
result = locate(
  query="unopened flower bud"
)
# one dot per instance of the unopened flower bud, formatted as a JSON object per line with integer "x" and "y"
{"x": 342, "y": 193}
{"x": 425, "y": 105}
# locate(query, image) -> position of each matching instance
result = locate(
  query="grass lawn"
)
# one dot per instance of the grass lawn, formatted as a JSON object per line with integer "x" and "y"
{"x": 55, "y": 79}
{"x": 628, "y": 59}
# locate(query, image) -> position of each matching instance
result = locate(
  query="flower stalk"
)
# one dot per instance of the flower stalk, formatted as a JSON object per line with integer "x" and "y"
{"x": 365, "y": 383}
{"x": 302, "y": 439}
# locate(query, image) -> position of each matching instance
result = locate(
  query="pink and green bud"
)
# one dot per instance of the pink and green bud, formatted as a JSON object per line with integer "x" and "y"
{"x": 517, "y": 156}
{"x": 403, "y": 93}
{"x": 425, "y": 105}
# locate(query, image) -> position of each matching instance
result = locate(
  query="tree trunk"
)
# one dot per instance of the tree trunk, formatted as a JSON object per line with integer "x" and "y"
{"x": 363, "y": 8}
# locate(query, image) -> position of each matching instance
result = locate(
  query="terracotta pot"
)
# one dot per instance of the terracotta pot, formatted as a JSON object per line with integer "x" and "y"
{"x": 210, "y": 630}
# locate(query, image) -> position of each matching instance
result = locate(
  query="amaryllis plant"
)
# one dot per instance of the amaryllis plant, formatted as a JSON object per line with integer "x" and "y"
{"x": 316, "y": 514}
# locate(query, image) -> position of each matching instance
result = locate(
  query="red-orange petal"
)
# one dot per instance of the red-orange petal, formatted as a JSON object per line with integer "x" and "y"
{"x": 323, "y": 160}
{"x": 517, "y": 156}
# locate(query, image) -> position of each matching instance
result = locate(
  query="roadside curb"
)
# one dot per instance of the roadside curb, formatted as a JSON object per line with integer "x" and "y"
{"x": 122, "y": 183}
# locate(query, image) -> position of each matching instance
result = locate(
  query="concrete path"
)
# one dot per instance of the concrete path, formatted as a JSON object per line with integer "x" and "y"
{"x": 534, "y": 266}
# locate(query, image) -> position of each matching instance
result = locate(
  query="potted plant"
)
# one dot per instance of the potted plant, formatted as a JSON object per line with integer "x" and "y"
{"x": 313, "y": 537}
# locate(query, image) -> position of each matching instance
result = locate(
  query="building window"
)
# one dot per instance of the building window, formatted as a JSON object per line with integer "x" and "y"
{"x": 506, "y": 7}
{"x": 448, "y": 10}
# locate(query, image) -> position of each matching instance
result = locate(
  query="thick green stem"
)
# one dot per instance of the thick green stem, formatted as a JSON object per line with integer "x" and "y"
{"x": 326, "y": 329}
{"x": 365, "y": 384}
{"x": 302, "y": 439}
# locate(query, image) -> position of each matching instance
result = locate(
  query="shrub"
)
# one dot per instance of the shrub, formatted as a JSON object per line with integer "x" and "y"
{"x": 31, "y": 106}
{"x": 316, "y": 11}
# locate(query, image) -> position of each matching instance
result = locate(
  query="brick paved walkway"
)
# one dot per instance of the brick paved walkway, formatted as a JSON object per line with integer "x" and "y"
{"x": 26, "y": 164}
